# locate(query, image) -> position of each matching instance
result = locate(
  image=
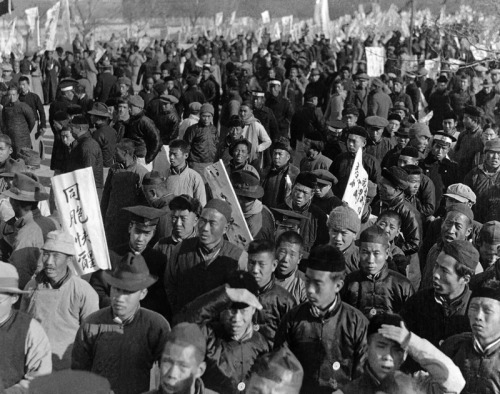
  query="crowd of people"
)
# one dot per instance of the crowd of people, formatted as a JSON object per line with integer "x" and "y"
{"x": 404, "y": 298}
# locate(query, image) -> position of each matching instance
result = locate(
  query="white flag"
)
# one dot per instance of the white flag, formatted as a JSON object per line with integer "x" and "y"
{"x": 357, "y": 185}
{"x": 78, "y": 205}
{"x": 66, "y": 20}
{"x": 51, "y": 26}
{"x": 276, "y": 35}
{"x": 31, "y": 17}
{"x": 219, "y": 18}
{"x": 233, "y": 17}
{"x": 265, "y": 17}
{"x": 375, "y": 61}
{"x": 11, "y": 40}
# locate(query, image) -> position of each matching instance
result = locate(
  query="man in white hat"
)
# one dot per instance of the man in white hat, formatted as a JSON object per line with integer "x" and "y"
{"x": 24, "y": 345}
{"x": 58, "y": 298}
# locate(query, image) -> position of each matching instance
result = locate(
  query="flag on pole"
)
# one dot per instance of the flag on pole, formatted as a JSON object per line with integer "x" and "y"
{"x": 66, "y": 21}
{"x": 219, "y": 18}
{"x": 265, "y": 17}
{"x": 51, "y": 26}
{"x": 276, "y": 34}
{"x": 357, "y": 185}
{"x": 233, "y": 18}
{"x": 11, "y": 40}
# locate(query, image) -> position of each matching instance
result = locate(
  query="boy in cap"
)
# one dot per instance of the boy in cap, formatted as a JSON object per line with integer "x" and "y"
{"x": 420, "y": 136}
{"x": 469, "y": 141}
{"x": 374, "y": 288}
{"x": 167, "y": 119}
{"x": 202, "y": 263}
{"x": 337, "y": 352}
{"x": 343, "y": 227}
{"x": 477, "y": 353}
{"x": 484, "y": 176}
{"x": 314, "y": 160}
{"x": 104, "y": 134}
{"x": 314, "y": 230}
{"x": 225, "y": 316}
{"x": 121, "y": 342}
{"x": 25, "y": 347}
{"x": 378, "y": 145}
{"x": 420, "y": 192}
{"x": 488, "y": 244}
{"x": 334, "y": 145}
{"x": 389, "y": 344}
{"x": 323, "y": 194}
{"x": 58, "y": 298}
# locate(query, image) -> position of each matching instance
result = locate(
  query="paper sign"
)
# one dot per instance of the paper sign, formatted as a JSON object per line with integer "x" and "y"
{"x": 375, "y": 61}
{"x": 78, "y": 206}
{"x": 218, "y": 180}
{"x": 357, "y": 186}
{"x": 265, "y": 17}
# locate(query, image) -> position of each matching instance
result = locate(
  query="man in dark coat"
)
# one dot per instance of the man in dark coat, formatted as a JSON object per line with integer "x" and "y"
{"x": 104, "y": 134}
{"x": 34, "y": 101}
{"x": 379, "y": 102}
{"x": 281, "y": 108}
{"x": 105, "y": 83}
{"x": 167, "y": 121}
{"x": 191, "y": 95}
{"x": 439, "y": 104}
{"x": 378, "y": 145}
{"x": 326, "y": 335}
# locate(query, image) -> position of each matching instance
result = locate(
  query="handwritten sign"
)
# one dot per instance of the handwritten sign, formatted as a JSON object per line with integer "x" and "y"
{"x": 78, "y": 205}
{"x": 357, "y": 186}
{"x": 218, "y": 180}
{"x": 375, "y": 61}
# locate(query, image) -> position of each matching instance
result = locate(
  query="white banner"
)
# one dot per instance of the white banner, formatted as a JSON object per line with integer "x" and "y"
{"x": 11, "y": 40}
{"x": 287, "y": 22}
{"x": 66, "y": 21}
{"x": 375, "y": 61}
{"x": 78, "y": 205}
{"x": 265, "y": 17}
{"x": 276, "y": 34}
{"x": 218, "y": 180}
{"x": 51, "y": 26}
{"x": 219, "y": 17}
{"x": 357, "y": 186}
{"x": 31, "y": 19}
{"x": 233, "y": 18}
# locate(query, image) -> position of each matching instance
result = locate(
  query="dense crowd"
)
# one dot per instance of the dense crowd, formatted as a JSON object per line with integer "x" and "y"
{"x": 404, "y": 298}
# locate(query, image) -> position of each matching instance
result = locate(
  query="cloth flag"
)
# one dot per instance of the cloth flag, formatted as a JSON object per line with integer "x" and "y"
{"x": 375, "y": 60}
{"x": 219, "y": 18}
{"x": 357, "y": 186}
{"x": 66, "y": 20}
{"x": 265, "y": 17}
{"x": 51, "y": 26}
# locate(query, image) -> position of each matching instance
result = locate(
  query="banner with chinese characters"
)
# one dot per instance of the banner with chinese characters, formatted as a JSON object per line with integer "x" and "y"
{"x": 218, "y": 180}
{"x": 78, "y": 206}
{"x": 357, "y": 186}
{"x": 375, "y": 61}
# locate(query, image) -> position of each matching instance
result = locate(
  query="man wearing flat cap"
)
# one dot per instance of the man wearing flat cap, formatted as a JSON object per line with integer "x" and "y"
{"x": 477, "y": 353}
{"x": 389, "y": 344}
{"x": 59, "y": 299}
{"x": 313, "y": 146}
{"x": 192, "y": 93}
{"x": 167, "y": 120}
{"x": 281, "y": 108}
{"x": 104, "y": 134}
{"x": 25, "y": 347}
{"x": 121, "y": 342}
{"x": 342, "y": 164}
{"x": 377, "y": 145}
{"x": 193, "y": 118}
{"x": 484, "y": 176}
{"x": 323, "y": 194}
{"x": 379, "y": 102}
{"x": 469, "y": 141}
{"x": 488, "y": 245}
{"x": 201, "y": 263}
{"x": 359, "y": 97}
{"x": 62, "y": 101}
{"x": 313, "y": 229}
{"x": 337, "y": 354}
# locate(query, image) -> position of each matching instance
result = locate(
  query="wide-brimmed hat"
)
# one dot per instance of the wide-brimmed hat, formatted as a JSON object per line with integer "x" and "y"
{"x": 100, "y": 109}
{"x": 131, "y": 274}
{"x": 25, "y": 188}
{"x": 9, "y": 279}
{"x": 246, "y": 184}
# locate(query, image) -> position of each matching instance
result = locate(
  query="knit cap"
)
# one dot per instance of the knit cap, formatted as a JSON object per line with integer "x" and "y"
{"x": 344, "y": 217}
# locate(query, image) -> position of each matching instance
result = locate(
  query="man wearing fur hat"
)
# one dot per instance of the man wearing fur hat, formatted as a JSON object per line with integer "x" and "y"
{"x": 121, "y": 342}
{"x": 58, "y": 298}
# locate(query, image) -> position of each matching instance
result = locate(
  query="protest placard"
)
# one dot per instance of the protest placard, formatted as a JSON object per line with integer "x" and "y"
{"x": 375, "y": 61}
{"x": 78, "y": 206}
{"x": 218, "y": 180}
{"x": 357, "y": 186}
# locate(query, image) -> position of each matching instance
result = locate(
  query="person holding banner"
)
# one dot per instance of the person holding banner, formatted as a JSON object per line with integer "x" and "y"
{"x": 59, "y": 299}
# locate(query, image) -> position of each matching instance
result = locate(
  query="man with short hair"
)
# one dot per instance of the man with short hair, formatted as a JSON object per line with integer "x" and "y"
{"x": 182, "y": 179}
{"x": 18, "y": 120}
{"x": 240, "y": 153}
{"x": 420, "y": 136}
{"x": 123, "y": 341}
{"x": 202, "y": 263}
{"x": 476, "y": 353}
{"x": 420, "y": 192}
{"x": 59, "y": 299}
{"x": 389, "y": 344}
{"x": 281, "y": 107}
{"x": 35, "y": 103}
{"x": 26, "y": 351}
{"x": 193, "y": 118}
{"x": 337, "y": 353}
{"x": 343, "y": 227}
{"x": 374, "y": 277}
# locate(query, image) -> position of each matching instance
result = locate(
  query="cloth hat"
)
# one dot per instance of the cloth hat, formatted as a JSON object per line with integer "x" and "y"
{"x": 450, "y": 115}
{"x": 376, "y": 121}
{"x": 357, "y": 130}
{"x": 25, "y": 188}
{"x": 168, "y": 98}
{"x": 399, "y": 106}
{"x": 131, "y": 274}
{"x": 350, "y": 110}
{"x": 420, "y": 130}
{"x": 60, "y": 241}
{"x": 307, "y": 179}
{"x": 490, "y": 233}
{"x": 325, "y": 177}
{"x": 326, "y": 258}
{"x": 282, "y": 145}
{"x": 363, "y": 76}
{"x": 394, "y": 116}
{"x": 70, "y": 382}
{"x": 136, "y": 101}
{"x": 289, "y": 218}
{"x": 374, "y": 234}
{"x": 67, "y": 85}
{"x": 153, "y": 178}
{"x": 280, "y": 366}
{"x": 336, "y": 124}
{"x": 463, "y": 252}
{"x": 275, "y": 82}
{"x": 376, "y": 322}
{"x": 444, "y": 137}
{"x": 242, "y": 280}
{"x": 443, "y": 79}
{"x": 492, "y": 145}
{"x": 100, "y": 109}
{"x": 372, "y": 189}
{"x": 464, "y": 209}
{"x": 194, "y": 107}
{"x": 145, "y": 217}
{"x": 377, "y": 82}
{"x": 461, "y": 192}
{"x": 124, "y": 81}
{"x": 422, "y": 72}
{"x": 207, "y": 108}
{"x": 9, "y": 279}
{"x": 191, "y": 80}
{"x": 486, "y": 291}
{"x": 344, "y": 217}
{"x": 246, "y": 184}
{"x": 397, "y": 176}
{"x": 473, "y": 111}
{"x": 188, "y": 334}
{"x": 403, "y": 132}
{"x": 220, "y": 206}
